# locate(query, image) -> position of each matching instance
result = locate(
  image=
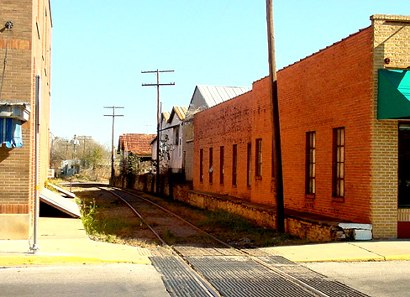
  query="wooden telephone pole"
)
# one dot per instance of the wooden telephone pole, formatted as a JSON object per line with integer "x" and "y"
{"x": 276, "y": 143}
{"x": 113, "y": 115}
{"x": 158, "y": 85}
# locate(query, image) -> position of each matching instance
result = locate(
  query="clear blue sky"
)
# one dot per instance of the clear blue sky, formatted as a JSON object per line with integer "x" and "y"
{"x": 100, "y": 47}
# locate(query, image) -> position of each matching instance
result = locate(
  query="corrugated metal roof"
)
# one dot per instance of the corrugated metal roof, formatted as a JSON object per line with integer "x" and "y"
{"x": 180, "y": 111}
{"x": 138, "y": 144}
{"x": 165, "y": 115}
{"x": 214, "y": 95}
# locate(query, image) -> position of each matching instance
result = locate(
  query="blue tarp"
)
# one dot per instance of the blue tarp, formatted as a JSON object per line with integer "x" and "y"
{"x": 10, "y": 132}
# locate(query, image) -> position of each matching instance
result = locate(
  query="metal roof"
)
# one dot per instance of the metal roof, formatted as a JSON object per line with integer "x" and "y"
{"x": 180, "y": 111}
{"x": 214, "y": 95}
{"x": 165, "y": 115}
{"x": 206, "y": 96}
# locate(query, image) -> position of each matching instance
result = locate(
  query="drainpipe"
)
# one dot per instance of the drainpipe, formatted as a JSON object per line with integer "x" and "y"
{"x": 36, "y": 212}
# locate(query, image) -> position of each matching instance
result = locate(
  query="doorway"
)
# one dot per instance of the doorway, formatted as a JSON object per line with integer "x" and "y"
{"x": 403, "y": 228}
{"x": 404, "y": 166}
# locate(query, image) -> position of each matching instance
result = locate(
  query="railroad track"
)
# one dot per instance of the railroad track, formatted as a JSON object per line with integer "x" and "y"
{"x": 216, "y": 268}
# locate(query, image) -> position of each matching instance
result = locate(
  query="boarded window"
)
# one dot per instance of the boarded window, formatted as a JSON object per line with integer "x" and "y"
{"x": 258, "y": 159}
{"x": 234, "y": 163}
{"x": 201, "y": 165}
{"x": 338, "y": 162}
{"x": 211, "y": 168}
{"x": 221, "y": 164}
{"x": 310, "y": 163}
{"x": 248, "y": 165}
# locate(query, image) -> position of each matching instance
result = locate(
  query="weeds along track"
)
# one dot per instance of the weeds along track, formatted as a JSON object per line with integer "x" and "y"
{"x": 196, "y": 263}
{"x": 169, "y": 228}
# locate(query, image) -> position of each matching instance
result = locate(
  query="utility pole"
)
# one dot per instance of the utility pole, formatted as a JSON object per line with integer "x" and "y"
{"x": 158, "y": 85}
{"x": 113, "y": 115}
{"x": 276, "y": 143}
{"x": 84, "y": 139}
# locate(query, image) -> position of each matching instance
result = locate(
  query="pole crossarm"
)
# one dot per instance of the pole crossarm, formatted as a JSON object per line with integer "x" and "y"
{"x": 155, "y": 71}
{"x": 154, "y": 85}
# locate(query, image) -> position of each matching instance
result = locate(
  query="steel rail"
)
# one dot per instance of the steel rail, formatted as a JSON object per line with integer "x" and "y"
{"x": 277, "y": 271}
{"x": 284, "y": 275}
{"x": 202, "y": 281}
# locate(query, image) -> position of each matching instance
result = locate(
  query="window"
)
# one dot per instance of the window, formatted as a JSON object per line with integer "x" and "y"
{"x": 221, "y": 165}
{"x": 176, "y": 135}
{"x": 234, "y": 163}
{"x": 211, "y": 169}
{"x": 338, "y": 162}
{"x": 258, "y": 161}
{"x": 248, "y": 164}
{"x": 201, "y": 165}
{"x": 310, "y": 176}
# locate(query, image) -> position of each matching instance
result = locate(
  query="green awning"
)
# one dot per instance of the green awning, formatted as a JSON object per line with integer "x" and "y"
{"x": 394, "y": 94}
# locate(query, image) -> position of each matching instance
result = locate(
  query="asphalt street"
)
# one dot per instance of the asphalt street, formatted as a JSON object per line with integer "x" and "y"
{"x": 120, "y": 280}
{"x": 377, "y": 279}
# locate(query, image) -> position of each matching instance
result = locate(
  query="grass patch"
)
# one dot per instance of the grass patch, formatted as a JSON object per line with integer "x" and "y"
{"x": 169, "y": 237}
{"x": 240, "y": 232}
{"x": 223, "y": 219}
{"x": 88, "y": 216}
{"x": 106, "y": 219}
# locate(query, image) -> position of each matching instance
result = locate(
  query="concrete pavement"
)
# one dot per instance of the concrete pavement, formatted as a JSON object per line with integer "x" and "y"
{"x": 355, "y": 251}
{"x": 64, "y": 241}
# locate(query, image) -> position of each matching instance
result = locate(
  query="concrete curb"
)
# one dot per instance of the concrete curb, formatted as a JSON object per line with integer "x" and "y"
{"x": 13, "y": 261}
{"x": 345, "y": 251}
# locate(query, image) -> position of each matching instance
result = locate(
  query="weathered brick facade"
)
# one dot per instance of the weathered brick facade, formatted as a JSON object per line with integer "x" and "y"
{"x": 236, "y": 122}
{"x": 25, "y": 51}
{"x": 330, "y": 89}
{"x": 336, "y": 87}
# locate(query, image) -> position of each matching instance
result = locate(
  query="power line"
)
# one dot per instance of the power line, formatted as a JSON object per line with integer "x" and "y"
{"x": 158, "y": 85}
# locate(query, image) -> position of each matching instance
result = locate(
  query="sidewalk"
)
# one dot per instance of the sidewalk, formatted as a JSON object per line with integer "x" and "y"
{"x": 355, "y": 251}
{"x": 64, "y": 241}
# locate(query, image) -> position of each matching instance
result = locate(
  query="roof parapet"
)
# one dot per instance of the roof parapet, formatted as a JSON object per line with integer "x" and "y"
{"x": 390, "y": 18}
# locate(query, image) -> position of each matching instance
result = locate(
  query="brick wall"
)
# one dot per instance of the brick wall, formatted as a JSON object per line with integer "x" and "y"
{"x": 391, "y": 40}
{"x": 236, "y": 122}
{"x": 15, "y": 46}
{"x": 335, "y": 87}
{"x": 330, "y": 89}
{"x": 28, "y": 51}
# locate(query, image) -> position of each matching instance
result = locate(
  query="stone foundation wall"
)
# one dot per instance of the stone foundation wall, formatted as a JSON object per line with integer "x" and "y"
{"x": 261, "y": 215}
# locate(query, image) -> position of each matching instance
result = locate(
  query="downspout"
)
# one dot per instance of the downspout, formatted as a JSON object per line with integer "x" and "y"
{"x": 36, "y": 212}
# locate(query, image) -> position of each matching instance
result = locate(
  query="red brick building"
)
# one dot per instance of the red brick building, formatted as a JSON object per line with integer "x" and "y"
{"x": 226, "y": 138}
{"x": 25, "y": 49}
{"x": 344, "y": 114}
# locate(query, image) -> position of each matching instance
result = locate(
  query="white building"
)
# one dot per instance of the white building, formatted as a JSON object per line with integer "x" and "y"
{"x": 171, "y": 156}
